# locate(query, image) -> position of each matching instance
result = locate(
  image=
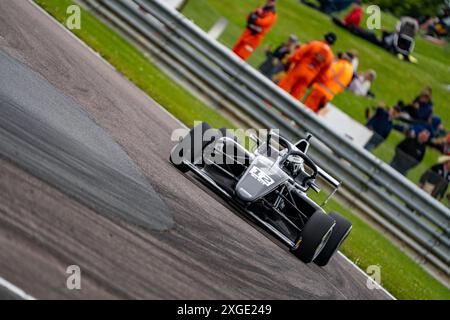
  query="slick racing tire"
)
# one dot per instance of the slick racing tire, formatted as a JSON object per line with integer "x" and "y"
{"x": 185, "y": 148}
{"x": 340, "y": 232}
{"x": 313, "y": 237}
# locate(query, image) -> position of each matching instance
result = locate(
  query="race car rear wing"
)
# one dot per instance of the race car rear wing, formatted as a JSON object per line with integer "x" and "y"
{"x": 328, "y": 178}
{"x": 332, "y": 181}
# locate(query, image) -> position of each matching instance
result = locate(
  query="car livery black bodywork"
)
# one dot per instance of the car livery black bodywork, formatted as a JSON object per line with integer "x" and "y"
{"x": 270, "y": 185}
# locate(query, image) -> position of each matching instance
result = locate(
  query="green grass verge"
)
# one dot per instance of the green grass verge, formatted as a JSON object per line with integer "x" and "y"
{"x": 365, "y": 246}
{"x": 397, "y": 80}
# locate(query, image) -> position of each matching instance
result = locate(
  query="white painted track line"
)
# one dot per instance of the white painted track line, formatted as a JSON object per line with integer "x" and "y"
{"x": 367, "y": 277}
{"x": 16, "y": 291}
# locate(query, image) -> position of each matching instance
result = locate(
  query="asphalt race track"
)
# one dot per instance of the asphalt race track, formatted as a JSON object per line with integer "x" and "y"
{"x": 52, "y": 137}
{"x": 84, "y": 180}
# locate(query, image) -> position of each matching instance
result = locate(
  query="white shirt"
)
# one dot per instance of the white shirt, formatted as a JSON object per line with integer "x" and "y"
{"x": 360, "y": 86}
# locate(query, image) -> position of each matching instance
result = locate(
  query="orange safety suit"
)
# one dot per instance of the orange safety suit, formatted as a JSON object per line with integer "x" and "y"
{"x": 327, "y": 87}
{"x": 307, "y": 63}
{"x": 250, "y": 39}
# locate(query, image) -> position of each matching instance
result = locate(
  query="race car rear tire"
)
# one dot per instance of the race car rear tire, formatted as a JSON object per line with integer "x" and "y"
{"x": 314, "y": 237}
{"x": 179, "y": 151}
{"x": 340, "y": 232}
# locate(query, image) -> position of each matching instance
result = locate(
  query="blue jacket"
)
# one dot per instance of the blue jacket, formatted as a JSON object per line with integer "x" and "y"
{"x": 380, "y": 123}
{"x": 425, "y": 110}
{"x": 433, "y": 128}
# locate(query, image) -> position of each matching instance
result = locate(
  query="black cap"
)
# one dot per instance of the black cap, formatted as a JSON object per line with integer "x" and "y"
{"x": 330, "y": 37}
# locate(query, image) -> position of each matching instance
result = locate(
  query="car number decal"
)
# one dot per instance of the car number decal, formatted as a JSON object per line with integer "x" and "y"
{"x": 261, "y": 176}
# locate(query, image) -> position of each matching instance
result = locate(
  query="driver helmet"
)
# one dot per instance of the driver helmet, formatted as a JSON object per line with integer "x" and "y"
{"x": 295, "y": 164}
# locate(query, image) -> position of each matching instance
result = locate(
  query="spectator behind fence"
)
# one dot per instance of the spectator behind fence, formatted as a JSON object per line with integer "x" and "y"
{"x": 308, "y": 63}
{"x": 381, "y": 123}
{"x": 274, "y": 62}
{"x": 354, "y": 18}
{"x": 433, "y": 125}
{"x": 410, "y": 152}
{"x": 442, "y": 143}
{"x": 421, "y": 108}
{"x": 435, "y": 181}
{"x": 329, "y": 6}
{"x": 362, "y": 83}
{"x": 439, "y": 26}
{"x": 259, "y": 22}
{"x": 401, "y": 41}
{"x": 333, "y": 82}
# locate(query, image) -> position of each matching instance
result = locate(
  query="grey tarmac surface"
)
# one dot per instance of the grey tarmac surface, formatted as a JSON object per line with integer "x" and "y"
{"x": 49, "y": 135}
{"x": 46, "y": 225}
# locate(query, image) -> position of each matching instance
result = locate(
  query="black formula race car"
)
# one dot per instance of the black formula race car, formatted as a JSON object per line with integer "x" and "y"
{"x": 270, "y": 185}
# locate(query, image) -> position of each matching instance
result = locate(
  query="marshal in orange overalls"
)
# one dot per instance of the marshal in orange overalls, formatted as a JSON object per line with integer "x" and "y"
{"x": 307, "y": 64}
{"x": 255, "y": 32}
{"x": 333, "y": 82}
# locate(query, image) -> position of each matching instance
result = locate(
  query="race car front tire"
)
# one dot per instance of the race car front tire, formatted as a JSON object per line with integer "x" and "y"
{"x": 340, "y": 232}
{"x": 313, "y": 237}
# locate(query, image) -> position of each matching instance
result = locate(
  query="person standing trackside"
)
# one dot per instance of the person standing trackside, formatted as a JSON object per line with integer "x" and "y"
{"x": 334, "y": 81}
{"x": 259, "y": 22}
{"x": 306, "y": 64}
